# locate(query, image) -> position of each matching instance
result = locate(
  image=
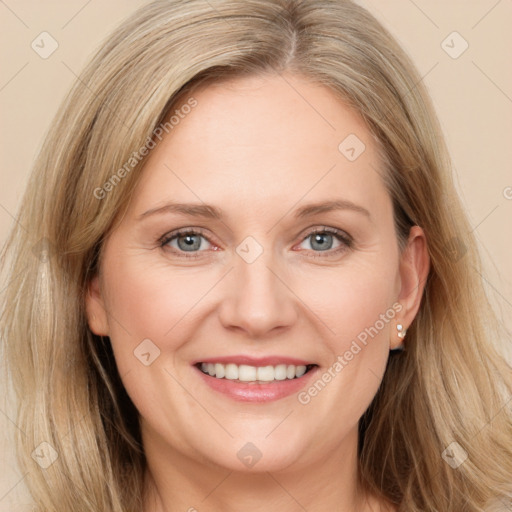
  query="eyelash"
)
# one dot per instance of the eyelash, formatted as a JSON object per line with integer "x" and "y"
{"x": 345, "y": 239}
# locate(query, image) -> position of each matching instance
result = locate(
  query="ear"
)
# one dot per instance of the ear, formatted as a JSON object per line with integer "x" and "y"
{"x": 413, "y": 270}
{"x": 95, "y": 308}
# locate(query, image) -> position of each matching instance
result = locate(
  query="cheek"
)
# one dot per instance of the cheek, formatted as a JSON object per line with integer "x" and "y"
{"x": 358, "y": 305}
{"x": 151, "y": 310}
{"x": 163, "y": 305}
{"x": 351, "y": 301}
{"x": 364, "y": 303}
{"x": 151, "y": 301}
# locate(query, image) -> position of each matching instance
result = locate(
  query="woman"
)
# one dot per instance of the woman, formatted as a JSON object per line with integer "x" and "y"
{"x": 254, "y": 284}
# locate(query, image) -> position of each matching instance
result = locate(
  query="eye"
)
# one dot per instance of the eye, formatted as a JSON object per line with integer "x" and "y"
{"x": 324, "y": 239}
{"x": 185, "y": 241}
{"x": 190, "y": 242}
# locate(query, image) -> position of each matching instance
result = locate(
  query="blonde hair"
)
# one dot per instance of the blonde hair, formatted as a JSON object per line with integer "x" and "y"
{"x": 450, "y": 384}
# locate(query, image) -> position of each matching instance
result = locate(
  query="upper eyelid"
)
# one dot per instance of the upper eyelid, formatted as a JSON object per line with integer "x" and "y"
{"x": 181, "y": 231}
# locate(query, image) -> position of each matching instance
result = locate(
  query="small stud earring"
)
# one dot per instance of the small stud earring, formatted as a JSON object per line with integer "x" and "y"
{"x": 401, "y": 335}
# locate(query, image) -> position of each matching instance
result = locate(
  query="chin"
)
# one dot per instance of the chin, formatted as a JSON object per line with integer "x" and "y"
{"x": 257, "y": 454}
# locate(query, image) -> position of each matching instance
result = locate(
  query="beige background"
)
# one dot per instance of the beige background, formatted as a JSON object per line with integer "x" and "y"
{"x": 472, "y": 94}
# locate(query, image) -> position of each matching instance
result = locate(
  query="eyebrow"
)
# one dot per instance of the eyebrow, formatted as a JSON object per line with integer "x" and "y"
{"x": 212, "y": 212}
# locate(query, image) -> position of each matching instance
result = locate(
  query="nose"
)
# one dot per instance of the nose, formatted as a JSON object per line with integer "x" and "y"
{"x": 258, "y": 300}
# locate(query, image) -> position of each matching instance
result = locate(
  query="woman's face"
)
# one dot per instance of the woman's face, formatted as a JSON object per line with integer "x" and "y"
{"x": 255, "y": 169}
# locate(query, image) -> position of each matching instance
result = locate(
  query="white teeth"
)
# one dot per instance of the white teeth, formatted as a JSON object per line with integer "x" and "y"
{"x": 300, "y": 371}
{"x": 219, "y": 371}
{"x": 247, "y": 373}
{"x": 280, "y": 372}
{"x": 231, "y": 371}
{"x": 266, "y": 373}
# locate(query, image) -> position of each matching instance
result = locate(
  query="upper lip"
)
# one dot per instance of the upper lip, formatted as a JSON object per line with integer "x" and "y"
{"x": 255, "y": 361}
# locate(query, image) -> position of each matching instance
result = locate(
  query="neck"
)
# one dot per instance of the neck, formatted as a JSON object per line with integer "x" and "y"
{"x": 176, "y": 482}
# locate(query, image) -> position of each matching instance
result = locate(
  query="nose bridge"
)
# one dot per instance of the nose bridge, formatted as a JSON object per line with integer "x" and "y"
{"x": 258, "y": 301}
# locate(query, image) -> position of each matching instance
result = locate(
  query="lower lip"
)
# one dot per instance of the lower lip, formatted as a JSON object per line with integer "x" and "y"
{"x": 256, "y": 392}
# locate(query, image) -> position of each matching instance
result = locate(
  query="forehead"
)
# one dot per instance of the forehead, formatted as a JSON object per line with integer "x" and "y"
{"x": 263, "y": 141}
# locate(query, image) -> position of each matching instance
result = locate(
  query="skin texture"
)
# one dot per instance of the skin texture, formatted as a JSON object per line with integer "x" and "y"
{"x": 256, "y": 149}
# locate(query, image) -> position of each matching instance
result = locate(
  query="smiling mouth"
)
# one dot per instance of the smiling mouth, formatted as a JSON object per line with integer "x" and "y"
{"x": 258, "y": 374}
